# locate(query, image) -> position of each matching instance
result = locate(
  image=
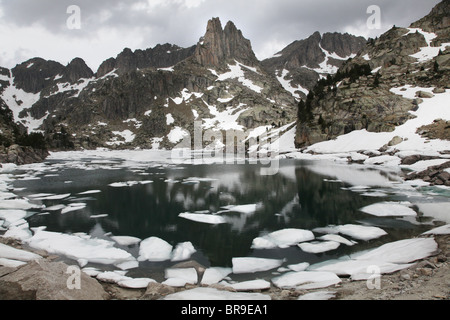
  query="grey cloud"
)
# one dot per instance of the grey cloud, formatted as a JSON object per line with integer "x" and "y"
{"x": 262, "y": 21}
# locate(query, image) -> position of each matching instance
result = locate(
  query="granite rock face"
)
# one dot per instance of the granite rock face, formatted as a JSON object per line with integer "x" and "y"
{"x": 359, "y": 96}
{"x": 45, "y": 280}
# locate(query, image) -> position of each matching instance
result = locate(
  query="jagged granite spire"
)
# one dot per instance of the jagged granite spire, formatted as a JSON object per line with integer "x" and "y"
{"x": 219, "y": 45}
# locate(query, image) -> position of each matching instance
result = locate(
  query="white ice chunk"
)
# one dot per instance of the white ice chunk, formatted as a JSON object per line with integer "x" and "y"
{"x": 183, "y": 251}
{"x": 387, "y": 209}
{"x": 306, "y": 280}
{"x": 245, "y": 208}
{"x": 318, "y": 295}
{"x": 126, "y": 265}
{"x": 439, "y": 230}
{"x": 214, "y": 275}
{"x": 135, "y": 283}
{"x": 126, "y": 240}
{"x": 257, "y": 284}
{"x": 112, "y": 276}
{"x": 8, "y": 252}
{"x": 76, "y": 247}
{"x": 361, "y": 232}
{"x": 189, "y": 275}
{"x": 215, "y": 294}
{"x": 337, "y": 238}
{"x": 11, "y": 263}
{"x": 282, "y": 238}
{"x": 251, "y": 265}
{"x": 203, "y": 218}
{"x": 154, "y": 249}
{"x": 319, "y": 247}
{"x": 402, "y": 251}
{"x": 90, "y": 192}
{"x": 19, "y": 204}
{"x": 299, "y": 266}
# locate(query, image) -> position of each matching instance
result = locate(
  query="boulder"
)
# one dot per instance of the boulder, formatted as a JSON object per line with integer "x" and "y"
{"x": 46, "y": 280}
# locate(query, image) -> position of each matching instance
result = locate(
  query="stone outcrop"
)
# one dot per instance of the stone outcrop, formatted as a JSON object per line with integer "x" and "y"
{"x": 219, "y": 45}
{"x": 161, "y": 56}
{"x": 45, "y": 280}
{"x": 300, "y": 57}
{"x": 360, "y": 96}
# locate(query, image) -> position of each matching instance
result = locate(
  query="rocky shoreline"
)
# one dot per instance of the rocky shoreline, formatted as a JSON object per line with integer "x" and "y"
{"x": 49, "y": 279}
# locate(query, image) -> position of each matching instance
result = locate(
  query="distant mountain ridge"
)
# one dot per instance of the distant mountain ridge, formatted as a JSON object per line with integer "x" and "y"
{"x": 150, "y": 98}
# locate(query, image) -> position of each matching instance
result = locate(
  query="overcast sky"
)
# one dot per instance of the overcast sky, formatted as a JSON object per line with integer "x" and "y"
{"x": 45, "y": 28}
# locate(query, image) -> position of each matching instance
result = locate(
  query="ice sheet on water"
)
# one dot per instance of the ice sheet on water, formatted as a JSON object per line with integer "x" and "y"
{"x": 126, "y": 240}
{"x": 299, "y": 266}
{"x": 258, "y": 284}
{"x": 183, "y": 251}
{"x": 180, "y": 276}
{"x": 244, "y": 208}
{"x": 54, "y": 197}
{"x": 318, "y": 295}
{"x": 355, "y": 231}
{"x": 8, "y": 252}
{"x": 203, "y": 218}
{"x": 215, "y": 294}
{"x": 90, "y": 192}
{"x": 251, "y": 265}
{"x": 75, "y": 247}
{"x": 387, "y": 258}
{"x": 439, "y": 230}
{"x": 337, "y": 238}
{"x": 282, "y": 238}
{"x": 215, "y": 275}
{"x": 135, "y": 283}
{"x": 319, "y": 246}
{"x": 11, "y": 216}
{"x": 154, "y": 249}
{"x": 387, "y": 209}
{"x": 306, "y": 280}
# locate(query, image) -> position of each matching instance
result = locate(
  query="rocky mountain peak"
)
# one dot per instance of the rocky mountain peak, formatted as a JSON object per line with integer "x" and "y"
{"x": 76, "y": 70}
{"x": 35, "y": 74}
{"x": 219, "y": 45}
{"x": 437, "y": 21}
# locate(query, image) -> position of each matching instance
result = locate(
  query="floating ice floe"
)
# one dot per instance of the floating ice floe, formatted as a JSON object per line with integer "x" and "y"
{"x": 355, "y": 231}
{"x": 337, "y": 238}
{"x": 54, "y": 197}
{"x": 387, "y": 258}
{"x": 299, "y": 266}
{"x": 20, "y": 204}
{"x": 90, "y": 192}
{"x": 251, "y": 265}
{"x": 282, "y": 238}
{"x": 203, "y": 218}
{"x": 215, "y": 294}
{"x": 73, "y": 207}
{"x": 318, "y": 295}
{"x": 76, "y": 247}
{"x": 306, "y": 280}
{"x": 439, "y": 230}
{"x": 215, "y": 275}
{"x": 388, "y": 209}
{"x": 183, "y": 251}
{"x": 135, "y": 283}
{"x": 11, "y": 216}
{"x": 245, "y": 208}
{"x": 179, "y": 277}
{"x": 154, "y": 249}
{"x": 258, "y": 284}
{"x": 126, "y": 240}
{"x": 10, "y": 253}
{"x": 319, "y": 246}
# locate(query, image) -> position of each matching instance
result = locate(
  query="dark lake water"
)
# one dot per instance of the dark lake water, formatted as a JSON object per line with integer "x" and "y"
{"x": 303, "y": 195}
